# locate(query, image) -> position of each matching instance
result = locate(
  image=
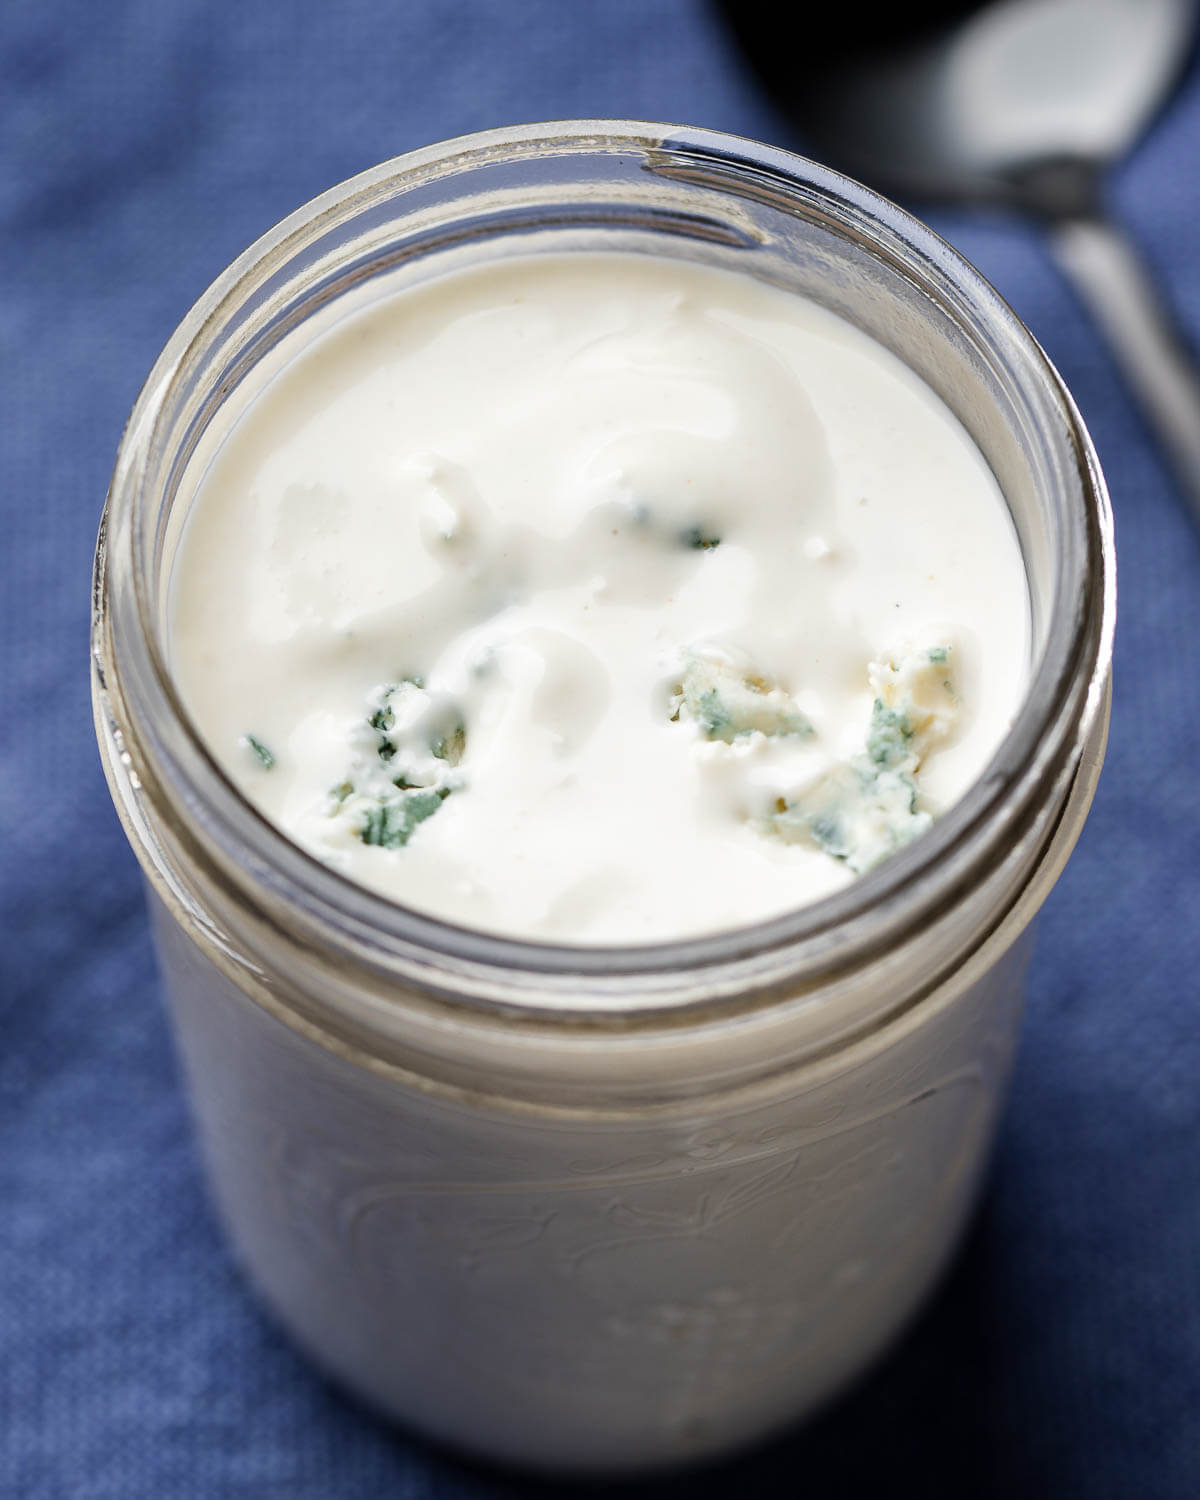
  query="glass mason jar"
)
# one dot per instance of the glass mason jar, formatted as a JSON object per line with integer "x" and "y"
{"x": 602, "y": 1208}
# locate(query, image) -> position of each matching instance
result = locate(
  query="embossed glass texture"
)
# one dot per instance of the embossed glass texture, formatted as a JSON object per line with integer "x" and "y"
{"x": 603, "y": 1208}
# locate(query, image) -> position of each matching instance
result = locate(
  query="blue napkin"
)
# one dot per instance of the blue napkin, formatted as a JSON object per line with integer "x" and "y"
{"x": 143, "y": 143}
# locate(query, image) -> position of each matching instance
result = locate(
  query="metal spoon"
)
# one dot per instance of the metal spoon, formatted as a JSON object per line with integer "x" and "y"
{"x": 1021, "y": 103}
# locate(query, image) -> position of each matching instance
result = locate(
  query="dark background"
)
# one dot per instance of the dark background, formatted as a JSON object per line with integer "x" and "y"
{"x": 143, "y": 144}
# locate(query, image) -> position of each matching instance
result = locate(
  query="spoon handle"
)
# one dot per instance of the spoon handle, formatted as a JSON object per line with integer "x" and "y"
{"x": 1114, "y": 283}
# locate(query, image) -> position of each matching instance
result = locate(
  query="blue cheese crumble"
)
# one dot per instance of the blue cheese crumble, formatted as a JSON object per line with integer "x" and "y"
{"x": 856, "y": 809}
{"x": 405, "y": 761}
{"x": 728, "y": 700}
{"x": 869, "y": 806}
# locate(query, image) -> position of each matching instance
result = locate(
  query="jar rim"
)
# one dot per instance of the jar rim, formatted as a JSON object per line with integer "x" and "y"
{"x": 484, "y": 970}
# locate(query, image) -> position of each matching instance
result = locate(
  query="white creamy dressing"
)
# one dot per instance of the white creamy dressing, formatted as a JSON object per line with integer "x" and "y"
{"x": 523, "y": 519}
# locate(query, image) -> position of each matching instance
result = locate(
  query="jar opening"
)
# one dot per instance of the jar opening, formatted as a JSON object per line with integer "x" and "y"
{"x": 658, "y": 190}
